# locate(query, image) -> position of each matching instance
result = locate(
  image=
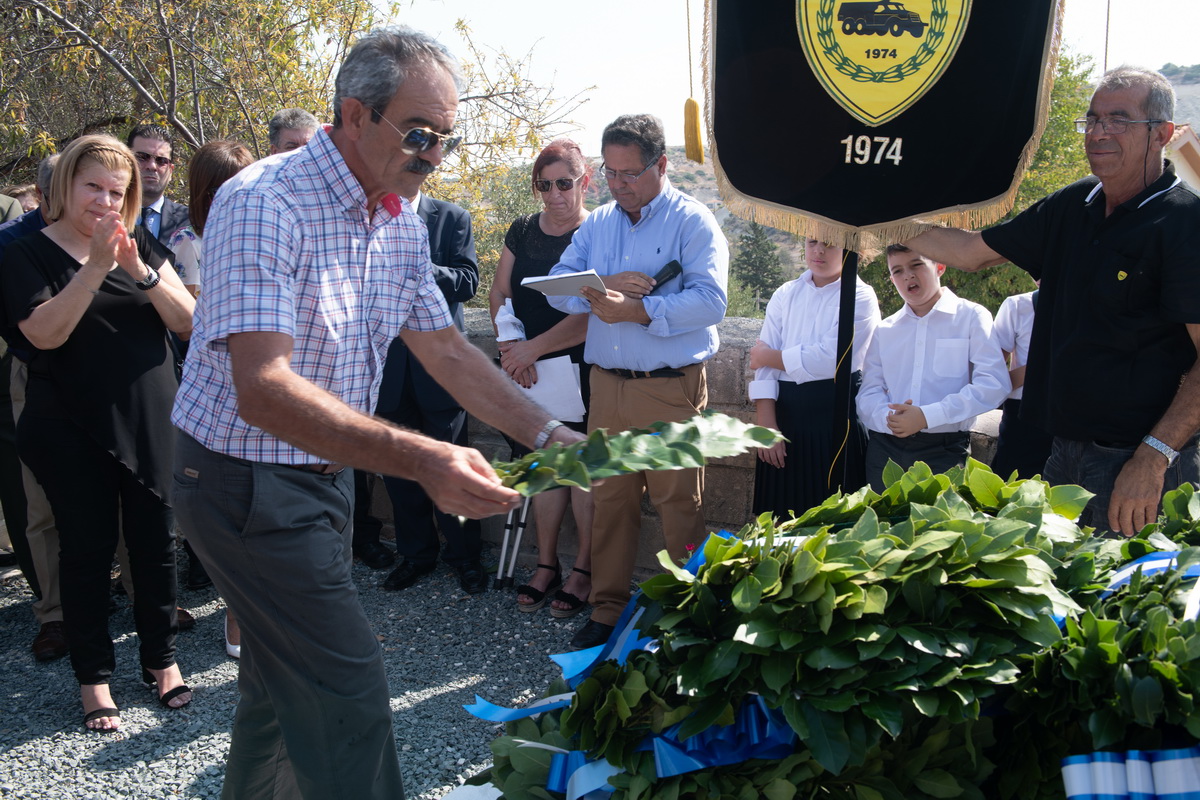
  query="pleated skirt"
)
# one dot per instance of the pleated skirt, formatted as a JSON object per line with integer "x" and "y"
{"x": 805, "y": 414}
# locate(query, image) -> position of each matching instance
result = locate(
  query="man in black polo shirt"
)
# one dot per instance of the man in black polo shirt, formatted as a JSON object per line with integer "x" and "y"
{"x": 1118, "y": 323}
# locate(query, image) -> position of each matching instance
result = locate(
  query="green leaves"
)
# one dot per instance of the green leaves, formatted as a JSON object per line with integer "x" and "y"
{"x": 883, "y": 625}
{"x": 663, "y": 446}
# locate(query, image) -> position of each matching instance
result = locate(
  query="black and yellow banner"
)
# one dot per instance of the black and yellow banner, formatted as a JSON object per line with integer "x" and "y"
{"x": 858, "y": 121}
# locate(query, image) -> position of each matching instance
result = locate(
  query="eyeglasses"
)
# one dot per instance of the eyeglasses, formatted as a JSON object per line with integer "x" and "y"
{"x": 418, "y": 140}
{"x": 563, "y": 184}
{"x": 1110, "y": 124}
{"x": 161, "y": 162}
{"x": 627, "y": 177}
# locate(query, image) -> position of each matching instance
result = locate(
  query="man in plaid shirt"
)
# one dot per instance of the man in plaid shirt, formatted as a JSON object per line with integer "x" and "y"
{"x": 313, "y": 265}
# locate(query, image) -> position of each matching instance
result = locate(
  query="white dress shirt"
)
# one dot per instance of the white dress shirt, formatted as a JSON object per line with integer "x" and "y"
{"x": 947, "y": 362}
{"x": 802, "y": 322}
{"x": 1014, "y": 324}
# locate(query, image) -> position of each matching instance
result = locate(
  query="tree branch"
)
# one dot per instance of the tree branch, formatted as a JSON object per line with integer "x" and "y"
{"x": 108, "y": 56}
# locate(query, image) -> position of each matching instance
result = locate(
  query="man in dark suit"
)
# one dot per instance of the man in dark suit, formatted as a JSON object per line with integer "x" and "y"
{"x": 409, "y": 397}
{"x": 10, "y": 208}
{"x": 151, "y": 146}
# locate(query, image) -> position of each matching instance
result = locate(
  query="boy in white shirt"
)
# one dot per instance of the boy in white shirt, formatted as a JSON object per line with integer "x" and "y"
{"x": 931, "y": 368}
{"x": 1022, "y": 446}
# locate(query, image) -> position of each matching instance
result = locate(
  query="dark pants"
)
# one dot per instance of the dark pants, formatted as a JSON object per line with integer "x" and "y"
{"x": 940, "y": 451}
{"x": 314, "y": 719}
{"x": 94, "y": 498}
{"x": 1095, "y": 467}
{"x": 1021, "y": 446}
{"x": 417, "y": 519}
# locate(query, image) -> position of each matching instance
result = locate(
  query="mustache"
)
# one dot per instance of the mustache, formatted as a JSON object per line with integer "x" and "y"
{"x": 420, "y": 166}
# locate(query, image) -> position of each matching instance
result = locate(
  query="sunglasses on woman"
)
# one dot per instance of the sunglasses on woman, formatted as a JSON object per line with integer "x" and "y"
{"x": 563, "y": 184}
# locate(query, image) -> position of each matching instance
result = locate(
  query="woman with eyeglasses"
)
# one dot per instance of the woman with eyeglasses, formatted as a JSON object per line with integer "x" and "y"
{"x": 532, "y": 247}
{"x": 794, "y": 363}
{"x": 95, "y": 295}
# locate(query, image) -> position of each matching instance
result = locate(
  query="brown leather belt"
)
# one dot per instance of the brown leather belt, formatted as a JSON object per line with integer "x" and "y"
{"x": 663, "y": 372}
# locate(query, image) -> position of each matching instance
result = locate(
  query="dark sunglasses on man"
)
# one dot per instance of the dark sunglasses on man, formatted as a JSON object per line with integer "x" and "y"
{"x": 159, "y": 161}
{"x": 418, "y": 140}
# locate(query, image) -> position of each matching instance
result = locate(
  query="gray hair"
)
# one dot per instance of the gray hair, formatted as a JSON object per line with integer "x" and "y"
{"x": 1160, "y": 95}
{"x": 290, "y": 119}
{"x": 643, "y": 130}
{"x": 379, "y": 63}
{"x": 45, "y": 173}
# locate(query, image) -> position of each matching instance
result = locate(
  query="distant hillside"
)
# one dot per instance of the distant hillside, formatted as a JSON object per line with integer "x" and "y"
{"x": 1181, "y": 75}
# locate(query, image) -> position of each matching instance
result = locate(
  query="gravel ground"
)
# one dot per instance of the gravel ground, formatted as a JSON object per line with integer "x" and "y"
{"x": 441, "y": 647}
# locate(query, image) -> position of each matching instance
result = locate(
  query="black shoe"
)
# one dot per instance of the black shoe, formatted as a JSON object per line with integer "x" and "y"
{"x": 406, "y": 575}
{"x": 50, "y": 643}
{"x": 374, "y": 555}
{"x": 197, "y": 575}
{"x": 590, "y": 635}
{"x": 184, "y": 620}
{"x": 471, "y": 577}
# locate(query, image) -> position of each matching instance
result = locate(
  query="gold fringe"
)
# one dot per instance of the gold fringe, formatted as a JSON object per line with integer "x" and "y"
{"x": 693, "y": 143}
{"x": 869, "y": 241}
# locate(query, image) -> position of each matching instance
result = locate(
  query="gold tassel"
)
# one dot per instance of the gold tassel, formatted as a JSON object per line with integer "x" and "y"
{"x": 692, "y": 142}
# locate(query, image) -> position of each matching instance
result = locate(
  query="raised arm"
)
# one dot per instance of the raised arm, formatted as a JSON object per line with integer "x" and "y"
{"x": 956, "y": 248}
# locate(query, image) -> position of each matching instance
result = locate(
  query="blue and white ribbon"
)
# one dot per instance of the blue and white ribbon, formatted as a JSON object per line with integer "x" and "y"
{"x": 1133, "y": 775}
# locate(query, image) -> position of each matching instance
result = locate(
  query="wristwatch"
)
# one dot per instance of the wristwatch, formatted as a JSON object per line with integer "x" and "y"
{"x": 1169, "y": 452}
{"x": 151, "y": 280}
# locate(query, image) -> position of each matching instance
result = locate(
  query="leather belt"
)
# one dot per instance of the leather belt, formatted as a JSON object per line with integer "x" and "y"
{"x": 663, "y": 372}
{"x": 319, "y": 469}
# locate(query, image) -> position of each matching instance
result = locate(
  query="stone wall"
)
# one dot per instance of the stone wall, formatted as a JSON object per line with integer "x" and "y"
{"x": 729, "y": 482}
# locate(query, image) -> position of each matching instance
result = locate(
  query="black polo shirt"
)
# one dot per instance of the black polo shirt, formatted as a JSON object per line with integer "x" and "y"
{"x": 1109, "y": 346}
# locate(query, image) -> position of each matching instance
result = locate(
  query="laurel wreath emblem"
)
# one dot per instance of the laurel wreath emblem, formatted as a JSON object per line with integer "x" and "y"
{"x": 893, "y": 74}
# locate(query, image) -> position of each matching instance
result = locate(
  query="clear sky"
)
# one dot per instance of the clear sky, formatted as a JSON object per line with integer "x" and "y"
{"x": 635, "y": 52}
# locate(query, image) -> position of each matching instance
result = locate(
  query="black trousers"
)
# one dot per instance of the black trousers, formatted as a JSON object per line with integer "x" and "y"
{"x": 417, "y": 519}
{"x": 940, "y": 451}
{"x": 94, "y": 496}
{"x": 1021, "y": 445}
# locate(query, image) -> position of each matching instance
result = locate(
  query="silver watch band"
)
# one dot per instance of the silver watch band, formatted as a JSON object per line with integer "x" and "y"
{"x": 544, "y": 434}
{"x": 1170, "y": 453}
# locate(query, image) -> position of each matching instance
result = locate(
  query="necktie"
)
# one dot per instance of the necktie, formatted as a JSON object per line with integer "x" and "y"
{"x": 150, "y": 220}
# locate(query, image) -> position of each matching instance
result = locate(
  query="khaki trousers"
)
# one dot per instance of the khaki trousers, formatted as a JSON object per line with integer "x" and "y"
{"x": 619, "y": 404}
{"x": 40, "y": 531}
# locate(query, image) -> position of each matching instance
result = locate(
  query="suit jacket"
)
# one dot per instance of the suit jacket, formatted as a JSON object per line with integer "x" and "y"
{"x": 174, "y": 217}
{"x": 10, "y": 208}
{"x": 456, "y": 269}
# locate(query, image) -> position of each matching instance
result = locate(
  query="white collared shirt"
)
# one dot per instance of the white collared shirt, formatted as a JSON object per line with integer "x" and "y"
{"x": 802, "y": 323}
{"x": 947, "y": 362}
{"x": 1014, "y": 324}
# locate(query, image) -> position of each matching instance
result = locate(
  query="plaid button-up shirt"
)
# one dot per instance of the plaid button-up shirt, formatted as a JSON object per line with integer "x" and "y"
{"x": 290, "y": 248}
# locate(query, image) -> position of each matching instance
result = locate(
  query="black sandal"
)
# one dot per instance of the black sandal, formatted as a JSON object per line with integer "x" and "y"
{"x": 574, "y": 603}
{"x": 102, "y": 712}
{"x": 165, "y": 699}
{"x": 539, "y": 596}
